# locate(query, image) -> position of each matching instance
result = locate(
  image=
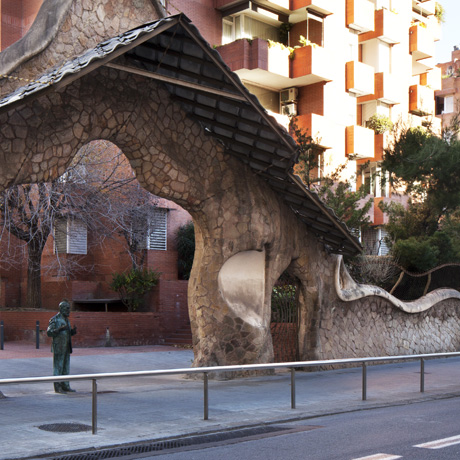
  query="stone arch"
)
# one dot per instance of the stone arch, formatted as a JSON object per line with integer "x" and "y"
{"x": 174, "y": 159}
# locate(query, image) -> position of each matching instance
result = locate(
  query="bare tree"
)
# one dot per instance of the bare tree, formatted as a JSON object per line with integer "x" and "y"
{"x": 98, "y": 193}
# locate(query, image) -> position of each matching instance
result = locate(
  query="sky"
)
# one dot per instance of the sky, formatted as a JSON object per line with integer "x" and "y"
{"x": 450, "y": 30}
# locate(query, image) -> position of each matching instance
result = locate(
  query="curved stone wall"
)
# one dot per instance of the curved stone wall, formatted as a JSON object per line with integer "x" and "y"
{"x": 374, "y": 327}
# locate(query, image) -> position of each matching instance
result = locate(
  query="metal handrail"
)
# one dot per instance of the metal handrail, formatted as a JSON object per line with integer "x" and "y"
{"x": 234, "y": 368}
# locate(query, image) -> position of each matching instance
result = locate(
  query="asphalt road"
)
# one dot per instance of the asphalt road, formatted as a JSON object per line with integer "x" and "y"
{"x": 411, "y": 432}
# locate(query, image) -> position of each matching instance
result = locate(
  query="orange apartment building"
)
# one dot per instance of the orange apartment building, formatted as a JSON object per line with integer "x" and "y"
{"x": 358, "y": 58}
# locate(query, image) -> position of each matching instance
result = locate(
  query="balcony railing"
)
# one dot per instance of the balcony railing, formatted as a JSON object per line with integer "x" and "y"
{"x": 386, "y": 89}
{"x": 421, "y": 100}
{"x": 359, "y": 78}
{"x": 359, "y": 142}
{"x": 360, "y": 15}
{"x": 421, "y": 44}
{"x": 387, "y": 28}
{"x": 311, "y": 64}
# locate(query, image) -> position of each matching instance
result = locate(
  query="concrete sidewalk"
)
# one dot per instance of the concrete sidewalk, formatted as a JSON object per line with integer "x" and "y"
{"x": 158, "y": 408}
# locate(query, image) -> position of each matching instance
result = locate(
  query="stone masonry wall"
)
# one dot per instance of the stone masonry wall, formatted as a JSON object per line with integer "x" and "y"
{"x": 373, "y": 327}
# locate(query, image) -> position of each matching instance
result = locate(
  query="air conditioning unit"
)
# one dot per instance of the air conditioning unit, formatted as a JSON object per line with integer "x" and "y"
{"x": 288, "y": 95}
{"x": 289, "y": 109}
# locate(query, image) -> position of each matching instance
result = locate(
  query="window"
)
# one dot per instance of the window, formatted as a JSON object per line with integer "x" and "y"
{"x": 374, "y": 241}
{"x": 315, "y": 28}
{"x": 448, "y": 104}
{"x": 70, "y": 236}
{"x": 444, "y": 104}
{"x": 158, "y": 230}
{"x": 248, "y": 20}
{"x": 150, "y": 230}
{"x": 373, "y": 182}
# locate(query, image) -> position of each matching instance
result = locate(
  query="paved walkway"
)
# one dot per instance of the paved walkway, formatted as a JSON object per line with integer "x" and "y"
{"x": 146, "y": 409}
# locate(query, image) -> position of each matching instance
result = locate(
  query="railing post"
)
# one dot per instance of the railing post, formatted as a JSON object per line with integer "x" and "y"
{"x": 364, "y": 381}
{"x": 422, "y": 375}
{"x": 1, "y": 335}
{"x": 205, "y": 396}
{"x": 94, "y": 407}
{"x": 292, "y": 388}
{"x": 37, "y": 335}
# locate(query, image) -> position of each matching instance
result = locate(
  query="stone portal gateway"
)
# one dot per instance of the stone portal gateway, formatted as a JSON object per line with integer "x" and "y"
{"x": 193, "y": 134}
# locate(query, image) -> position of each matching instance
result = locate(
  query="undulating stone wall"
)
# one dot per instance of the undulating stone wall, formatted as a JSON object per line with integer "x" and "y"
{"x": 374, "y": 327}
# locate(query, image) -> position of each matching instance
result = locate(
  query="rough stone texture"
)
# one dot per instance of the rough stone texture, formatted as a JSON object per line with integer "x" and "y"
{"x": 67, "y": 28}
{"x": 374, "y": 327}
{"x": 233, "y": 211}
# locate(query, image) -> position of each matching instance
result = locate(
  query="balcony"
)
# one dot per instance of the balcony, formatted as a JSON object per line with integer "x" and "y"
{"x": 359, "y": 142}
{"x": 360, "y": 15}
{"x": 432, "y": 78}
{"x": 387, "y": 28}
{"x": 423, "y": 66}
{"x": 323, "y": 7}
{"x": 359, "y": 78}
{"x": 421, "y": 100}
{"x": 425, "y": 7}
{"x": 255, "y": 61}
{"x": 386, "y": 89}
{"x": 325, "y": 133}
{"x": 435, "y": 27}
{"x": 421, "y": 44}
{"x": 311, "y": 64}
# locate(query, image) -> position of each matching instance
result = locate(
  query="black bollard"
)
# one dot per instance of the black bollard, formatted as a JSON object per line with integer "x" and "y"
{"x": 37, "y": 335}
{"x": 1, "y": 335}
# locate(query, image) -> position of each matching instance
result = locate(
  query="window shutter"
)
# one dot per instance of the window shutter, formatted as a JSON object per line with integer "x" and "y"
{"x": 70, "y": 236}
{"x": 60, "y": 236}
{"x": 77, "y": 237}
{"x": 158, "y": 230}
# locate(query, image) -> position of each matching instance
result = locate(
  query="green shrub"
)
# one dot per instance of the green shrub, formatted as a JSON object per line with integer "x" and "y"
{"x": 133, "y": 285}
{"x": 416, "y": 255}
{"x": 379, "y": 123}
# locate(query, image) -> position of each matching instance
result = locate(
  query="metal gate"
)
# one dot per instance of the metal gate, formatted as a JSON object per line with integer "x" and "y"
{"x": 284, "y": 321}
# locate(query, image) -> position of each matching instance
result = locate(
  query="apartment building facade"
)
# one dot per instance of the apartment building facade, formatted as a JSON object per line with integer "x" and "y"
{"x": 335, "y": 64}
{"x": 448, "y": 97}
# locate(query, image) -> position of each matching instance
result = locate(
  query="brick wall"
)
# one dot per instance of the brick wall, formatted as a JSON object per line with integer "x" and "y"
{"x": 125, "y": 328}
{"x": 204, "y": 16}
{"x": 17, "y": 17}
{"x": 311, "y": 99}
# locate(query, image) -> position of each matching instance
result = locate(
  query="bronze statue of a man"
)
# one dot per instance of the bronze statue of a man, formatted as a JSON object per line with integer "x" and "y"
{"x": 59, "y": 329}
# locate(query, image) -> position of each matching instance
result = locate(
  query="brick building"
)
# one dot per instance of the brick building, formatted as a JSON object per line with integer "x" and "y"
{"x": 448, "y": 98}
